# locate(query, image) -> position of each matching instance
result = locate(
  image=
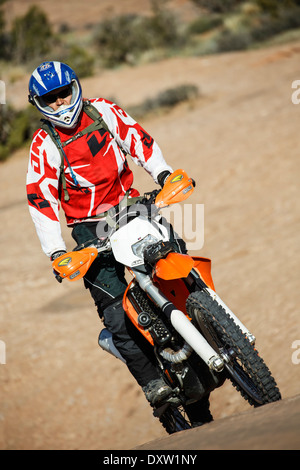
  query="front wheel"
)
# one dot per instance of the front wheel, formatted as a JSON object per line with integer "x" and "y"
{"x": 245, "y": 368}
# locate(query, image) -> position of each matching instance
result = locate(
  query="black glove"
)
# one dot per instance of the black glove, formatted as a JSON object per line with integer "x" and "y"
{"x": 162, "y": 177}
{"x": 55, "y": 255}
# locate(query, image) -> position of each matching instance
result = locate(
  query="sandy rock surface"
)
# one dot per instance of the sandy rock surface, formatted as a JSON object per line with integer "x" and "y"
{"x": 239, "y": 140}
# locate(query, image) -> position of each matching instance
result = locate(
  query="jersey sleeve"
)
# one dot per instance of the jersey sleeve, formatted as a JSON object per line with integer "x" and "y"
{"x": 142, "y": 148}
{"x": 42, "y": 192}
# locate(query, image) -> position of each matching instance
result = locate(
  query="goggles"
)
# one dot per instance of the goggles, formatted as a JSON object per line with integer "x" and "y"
{"x": 61, "y": 93}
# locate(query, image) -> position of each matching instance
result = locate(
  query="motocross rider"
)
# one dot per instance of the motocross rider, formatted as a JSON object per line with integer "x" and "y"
{"x": 92, "y": 175}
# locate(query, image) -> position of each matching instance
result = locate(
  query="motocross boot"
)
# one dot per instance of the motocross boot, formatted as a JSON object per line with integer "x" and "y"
{"x": 156, "y": 390}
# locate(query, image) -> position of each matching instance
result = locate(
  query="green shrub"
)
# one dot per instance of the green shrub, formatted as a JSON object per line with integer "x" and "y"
{"x": 7, "y": 116}
{"x": 274, "y": 6}
{"x": 164, "y": 100}
{"x": 230, "y": 41}
{"x": 218, "y": 6}
{"x": 205, "y": 23}
{"x": 172, "y": 96}
{"x": 80, "y": 61}
{"x": 116, "y": 38}
{"x": 3, "y": 34}
{"x": 31, "y": 36}
{"x": 123, "y": 38}
{"x": 16, "y": 128}
{"x": 161, "y": 28}
{"x": 264, "y": 26}
{"x": 269, "y": 26}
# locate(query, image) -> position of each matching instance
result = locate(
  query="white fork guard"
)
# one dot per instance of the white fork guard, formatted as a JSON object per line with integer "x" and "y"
{"x": 194, "y": 338}
{"x": 182, "y": 324}
{"x": 245, "y": 330}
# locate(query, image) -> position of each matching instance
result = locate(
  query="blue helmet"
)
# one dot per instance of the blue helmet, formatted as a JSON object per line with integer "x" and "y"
{"x": 51, "y": 76}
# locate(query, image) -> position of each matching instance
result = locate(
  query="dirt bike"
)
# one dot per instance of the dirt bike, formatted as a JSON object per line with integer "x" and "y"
{"x": 198, "y": 341}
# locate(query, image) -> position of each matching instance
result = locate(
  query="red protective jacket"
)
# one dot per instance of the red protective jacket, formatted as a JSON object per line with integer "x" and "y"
{"x": 100, "y": 167}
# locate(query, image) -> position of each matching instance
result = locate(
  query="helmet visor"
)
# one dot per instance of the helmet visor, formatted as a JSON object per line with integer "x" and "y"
{"x": 46, "y": 100}
{"x": 59, "y": 93}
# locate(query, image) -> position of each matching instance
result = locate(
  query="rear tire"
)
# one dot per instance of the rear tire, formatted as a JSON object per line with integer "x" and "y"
{"x": 246, "y": 369}
{"x": 179, "y": 418}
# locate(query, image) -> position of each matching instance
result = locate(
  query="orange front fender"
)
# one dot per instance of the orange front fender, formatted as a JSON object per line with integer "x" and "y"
{"x": 177, "y": 266}
{"x": 203, "y": 267}
{"x": 174, "y": 266}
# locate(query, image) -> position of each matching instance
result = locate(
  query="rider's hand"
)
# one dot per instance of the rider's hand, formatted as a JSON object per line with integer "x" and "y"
{"x": 55, "y": 255}
{"x": 162, "y": 177}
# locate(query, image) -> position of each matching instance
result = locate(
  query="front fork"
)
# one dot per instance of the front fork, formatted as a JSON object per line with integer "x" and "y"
{"x": 182, "y": 324}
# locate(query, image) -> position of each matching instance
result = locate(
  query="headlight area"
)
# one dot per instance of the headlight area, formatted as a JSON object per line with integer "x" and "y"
{"x": 139, "y": 247}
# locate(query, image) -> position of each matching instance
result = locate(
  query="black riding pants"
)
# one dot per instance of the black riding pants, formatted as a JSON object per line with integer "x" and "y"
{"x": 106, "y": 282}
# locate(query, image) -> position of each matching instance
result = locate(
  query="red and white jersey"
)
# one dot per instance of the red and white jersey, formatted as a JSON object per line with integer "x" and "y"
{"x": 100, "y": 167}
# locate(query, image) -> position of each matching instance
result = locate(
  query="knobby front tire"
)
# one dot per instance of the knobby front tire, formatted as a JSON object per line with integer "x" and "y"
{"x": 246, "y": 369}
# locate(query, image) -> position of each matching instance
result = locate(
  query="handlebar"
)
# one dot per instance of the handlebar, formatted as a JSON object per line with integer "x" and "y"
{"x": 177, "y": 188}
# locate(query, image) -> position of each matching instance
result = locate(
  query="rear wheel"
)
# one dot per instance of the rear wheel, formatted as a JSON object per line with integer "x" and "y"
{"x": 178, "y": 418}
{"x": 173, "y": 419}
{"x": 245, "y": 368}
